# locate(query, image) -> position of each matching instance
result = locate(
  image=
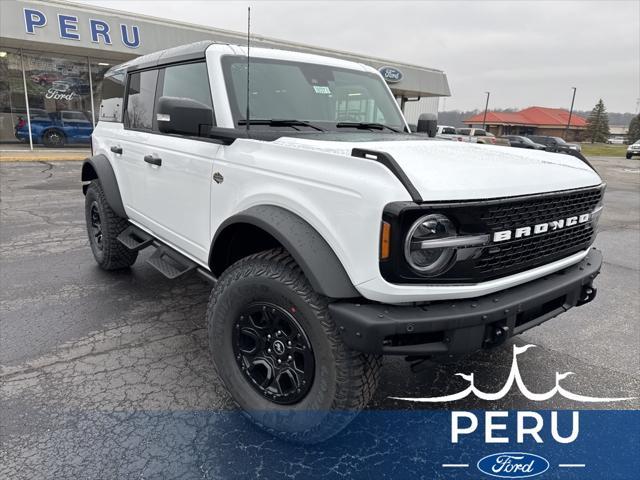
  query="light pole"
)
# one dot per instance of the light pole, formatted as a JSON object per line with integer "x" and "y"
{"x": 486, "y": 106}
{"x": 573, "y": 98}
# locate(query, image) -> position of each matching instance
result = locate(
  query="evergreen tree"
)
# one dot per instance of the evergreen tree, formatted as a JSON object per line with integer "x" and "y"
{"x": 634, "y": 129}
{"x": 598, "y": 124}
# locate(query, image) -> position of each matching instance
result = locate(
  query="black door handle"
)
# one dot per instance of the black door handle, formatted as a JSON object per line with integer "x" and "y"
{"x": 116, "y": 149}
{"x": 153, "y": 160}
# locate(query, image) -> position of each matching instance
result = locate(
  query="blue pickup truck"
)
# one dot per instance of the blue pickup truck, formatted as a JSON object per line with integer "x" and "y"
{"x": 56, "y": 129}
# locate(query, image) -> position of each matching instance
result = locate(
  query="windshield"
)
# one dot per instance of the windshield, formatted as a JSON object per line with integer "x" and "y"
{"x": 318, "y": 94}
{"x": 560, "y": 141}
{"x": 448, "y": 131}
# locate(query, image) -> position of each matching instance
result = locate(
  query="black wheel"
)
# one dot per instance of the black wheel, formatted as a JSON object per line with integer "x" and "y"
{"x": 103, "y": 228}
{"x": 280, "y": 355}
{"x": 53, "y": 139}
{"x": 629, "y": 156}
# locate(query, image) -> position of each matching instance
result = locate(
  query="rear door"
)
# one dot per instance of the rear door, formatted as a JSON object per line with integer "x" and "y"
{"x": 133, "y": 142}
{"x": 176, "y": 205}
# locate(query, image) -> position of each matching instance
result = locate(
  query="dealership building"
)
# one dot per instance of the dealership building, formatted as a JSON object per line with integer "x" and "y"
{"x": 53, "y": 56}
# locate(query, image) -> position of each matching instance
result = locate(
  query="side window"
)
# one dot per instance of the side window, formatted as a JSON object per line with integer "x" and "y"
{"x": 188, "y": 81}
{"x": 140, "y": 99}
{"x": 480, "y": 133}
{"x": 112, "y": 98}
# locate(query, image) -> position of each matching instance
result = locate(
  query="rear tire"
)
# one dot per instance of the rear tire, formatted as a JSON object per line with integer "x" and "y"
{"x": 103, "y": 228}
{"x": 342, "y": 381}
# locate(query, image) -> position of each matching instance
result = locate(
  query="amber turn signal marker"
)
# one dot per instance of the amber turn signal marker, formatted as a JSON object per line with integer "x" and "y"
{"x": 385, "y": 236}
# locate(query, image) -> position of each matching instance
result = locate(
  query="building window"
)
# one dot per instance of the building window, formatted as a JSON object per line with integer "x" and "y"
{"x": 13, "y": 110}
{"x": 59, "y": 94}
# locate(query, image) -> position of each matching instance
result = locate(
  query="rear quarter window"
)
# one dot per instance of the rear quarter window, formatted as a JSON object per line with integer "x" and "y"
{"x": 112, "y": 98}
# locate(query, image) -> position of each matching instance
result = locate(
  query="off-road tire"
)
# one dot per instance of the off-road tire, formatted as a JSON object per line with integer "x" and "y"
{"x": 113, "y": 255}
{"x": 344, "y": 381}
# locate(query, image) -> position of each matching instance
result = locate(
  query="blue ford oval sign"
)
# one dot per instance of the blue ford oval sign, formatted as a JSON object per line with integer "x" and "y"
{"x": 390, "y": 74}
{"x": 513, "y": 465}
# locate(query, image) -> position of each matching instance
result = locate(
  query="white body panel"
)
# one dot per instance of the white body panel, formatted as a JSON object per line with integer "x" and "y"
{"x": 341, "y": 196}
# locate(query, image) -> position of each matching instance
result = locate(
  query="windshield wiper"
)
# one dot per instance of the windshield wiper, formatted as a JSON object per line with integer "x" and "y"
{"x": 366, "y": 126}
{"x": 275, "y": 122}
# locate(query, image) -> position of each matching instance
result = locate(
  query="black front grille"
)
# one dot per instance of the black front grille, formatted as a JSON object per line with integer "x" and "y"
{"x": 528, "y": 252}
{"x": 536, "y": 250}
{"x": 511, "y": 215}
{"x": 498, "y": 259}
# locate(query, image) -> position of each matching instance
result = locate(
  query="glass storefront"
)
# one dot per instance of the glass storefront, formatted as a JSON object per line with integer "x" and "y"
{"x": 13, "y": 110}
{"x": 63, "y": 93}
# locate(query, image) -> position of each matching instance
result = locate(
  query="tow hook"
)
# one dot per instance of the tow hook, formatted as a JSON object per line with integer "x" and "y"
{"x": 497, "y": 336}
{"x": 588, "y": 293}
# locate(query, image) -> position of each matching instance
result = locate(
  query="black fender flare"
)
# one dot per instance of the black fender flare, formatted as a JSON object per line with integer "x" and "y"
{"x": 308, "y": 248}
{"x": 99, "y": 167}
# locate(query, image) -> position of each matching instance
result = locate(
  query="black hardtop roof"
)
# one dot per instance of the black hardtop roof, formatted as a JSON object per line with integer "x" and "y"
{"x": 182, "y": 53}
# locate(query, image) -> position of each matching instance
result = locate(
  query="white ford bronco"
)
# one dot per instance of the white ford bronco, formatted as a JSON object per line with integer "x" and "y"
{"x": 331, "y": 234}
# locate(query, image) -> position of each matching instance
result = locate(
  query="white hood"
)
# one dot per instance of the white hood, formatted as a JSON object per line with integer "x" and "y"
{"x": 447, "y": 170}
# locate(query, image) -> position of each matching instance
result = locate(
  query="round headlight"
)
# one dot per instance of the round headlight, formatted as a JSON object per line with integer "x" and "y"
{"x": 423, "y": 259}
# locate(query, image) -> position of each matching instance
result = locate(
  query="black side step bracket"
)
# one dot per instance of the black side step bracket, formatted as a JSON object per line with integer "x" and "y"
{"x": 135, "y": 238}
{"x": 170, "y": 263}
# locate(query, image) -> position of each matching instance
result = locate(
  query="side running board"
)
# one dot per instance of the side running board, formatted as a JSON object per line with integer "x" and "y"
{"x": 166, "y": 260}
{"x": 134, "y": 238}
{"x": 170, "y": 263}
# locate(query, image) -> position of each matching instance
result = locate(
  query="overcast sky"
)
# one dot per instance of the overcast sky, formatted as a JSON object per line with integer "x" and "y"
{"x": 524, "y": 52}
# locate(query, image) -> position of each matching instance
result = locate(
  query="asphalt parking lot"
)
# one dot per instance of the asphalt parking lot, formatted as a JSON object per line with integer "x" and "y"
{"x": 107, "y": 375}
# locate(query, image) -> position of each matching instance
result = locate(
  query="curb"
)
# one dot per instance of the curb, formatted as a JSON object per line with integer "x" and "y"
{"x": 43, "y": 157}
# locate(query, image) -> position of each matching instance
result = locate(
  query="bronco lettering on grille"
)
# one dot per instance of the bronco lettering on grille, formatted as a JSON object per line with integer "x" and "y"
{"x": 541, "y": 228}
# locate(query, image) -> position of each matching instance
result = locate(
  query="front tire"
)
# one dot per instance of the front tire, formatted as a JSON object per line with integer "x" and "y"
{"x": 103, "y": 228}
{"x": 629, "y": 156}
{"x": 280, "y": 355}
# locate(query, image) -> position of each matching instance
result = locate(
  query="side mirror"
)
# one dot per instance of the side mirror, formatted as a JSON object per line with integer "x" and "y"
{"x": 428, "y": 123}
{"x": 184, "y": 116}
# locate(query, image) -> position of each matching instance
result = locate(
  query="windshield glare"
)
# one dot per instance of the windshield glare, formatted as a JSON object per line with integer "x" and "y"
{"x": 320, "y": 94}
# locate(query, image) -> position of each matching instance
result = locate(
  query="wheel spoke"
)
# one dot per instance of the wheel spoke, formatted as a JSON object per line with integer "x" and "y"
{"x": 274, "y": 353}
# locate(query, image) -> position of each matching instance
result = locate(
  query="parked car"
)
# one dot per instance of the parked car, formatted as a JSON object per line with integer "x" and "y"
{"x": 555, "y": 144}
{"x": 448, "y": 133}
{"x": 519, "y": 141}
{"x": 498, "y": 140}
{"x": 476, "y": 135}
{"x": 45, "y": 78}
{"x": 328, "y": 243}
{"x": 56, "y": 129}
{"x": 633, "y": 149}
{"x": 615, "y": 140}
{"x": 71, "y": 84}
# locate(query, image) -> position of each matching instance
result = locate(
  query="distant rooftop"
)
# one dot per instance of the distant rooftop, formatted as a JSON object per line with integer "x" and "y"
{"x": 534, "y": 116}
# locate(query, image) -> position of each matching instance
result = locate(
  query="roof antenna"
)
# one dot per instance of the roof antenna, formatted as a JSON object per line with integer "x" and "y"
{"x": 248, "y": 118}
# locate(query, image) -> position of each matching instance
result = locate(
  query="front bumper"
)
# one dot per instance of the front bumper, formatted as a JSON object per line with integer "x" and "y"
{"x": 450, "y": 328}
